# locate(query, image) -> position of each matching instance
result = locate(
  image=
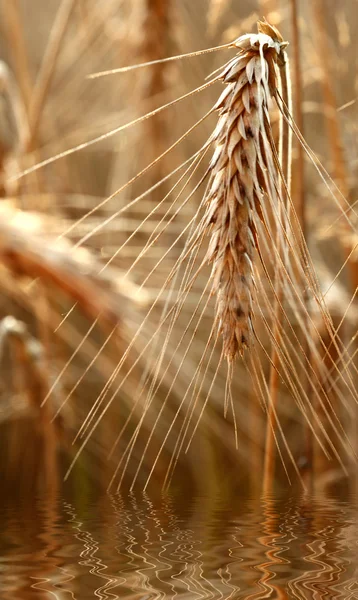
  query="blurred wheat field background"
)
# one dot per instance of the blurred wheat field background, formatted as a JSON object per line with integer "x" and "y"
{"x": 77, "y": 285}
{"x": 82, "y": 265}
{"x": 115, "y": 369}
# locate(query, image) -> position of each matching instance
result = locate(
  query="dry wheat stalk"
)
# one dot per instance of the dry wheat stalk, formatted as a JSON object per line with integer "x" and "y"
{"x": 13, "y": 126}
{"x": 154, "y": 42}
{"x": 216, "y": 10}
{"x": 241, "y": 175}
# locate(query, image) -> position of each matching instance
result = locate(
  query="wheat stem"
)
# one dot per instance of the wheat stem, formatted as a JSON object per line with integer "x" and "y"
{"x": 47, "y": 69}
{"x": 332, "y": 119}
{"x": 274, "y": 384}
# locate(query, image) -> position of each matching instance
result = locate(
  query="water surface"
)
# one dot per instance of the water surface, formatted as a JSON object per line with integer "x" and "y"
{"x": 176, "y": 546}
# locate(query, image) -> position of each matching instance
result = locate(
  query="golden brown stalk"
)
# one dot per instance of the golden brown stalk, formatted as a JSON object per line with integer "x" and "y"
{"x": 339, "y": 164}
{"x": 13, "y": 31}
{"x": 8, "y": 133}
{"x": 154, "y": 45}
{"x": 332, "y": 124}
{"x": 241, "y": 174}
{"x": 48, "y": 68}
{"x": 298, "y": 115}
{"x": 274, "y": 384}
{"x": 155, "y": 42}
{"x": 13, "y": 123}
{"x": 24, "y": 357}
{"x": 28, "y": 354}
{"x": 215, "y": 11}
{"x": 300, "y": 203}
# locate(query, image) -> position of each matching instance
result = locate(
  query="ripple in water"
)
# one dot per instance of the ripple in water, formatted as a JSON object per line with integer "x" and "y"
{"x": 138, "y": 548}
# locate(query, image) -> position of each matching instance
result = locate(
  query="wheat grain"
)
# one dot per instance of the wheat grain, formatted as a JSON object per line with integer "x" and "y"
{"x": 237, "y": 182}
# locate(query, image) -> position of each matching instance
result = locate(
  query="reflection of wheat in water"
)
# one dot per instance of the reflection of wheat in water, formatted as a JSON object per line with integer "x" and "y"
{"x": 349, "y": 541}
{"x": 132, "y": 535}
{"x": 88, "y": 558}
{"x": 32, "y": 553}
{"x": 190, "y": 567}
{"x": 329, "y": 561}
{"x": 167, "y": 557}
{"x": 273, "y": 540}
{"x": 205, "y": 548}
{"x": 53, "y": 572}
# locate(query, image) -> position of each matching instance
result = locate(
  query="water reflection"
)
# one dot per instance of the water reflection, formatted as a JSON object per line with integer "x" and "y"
{"x": 137, "y": 547}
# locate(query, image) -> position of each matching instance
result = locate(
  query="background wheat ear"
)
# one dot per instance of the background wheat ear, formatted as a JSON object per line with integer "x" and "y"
{"x": 28, "y": 250}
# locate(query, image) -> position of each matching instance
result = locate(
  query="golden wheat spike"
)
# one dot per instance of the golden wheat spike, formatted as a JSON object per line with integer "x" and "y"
{"x": 237, "y": 185}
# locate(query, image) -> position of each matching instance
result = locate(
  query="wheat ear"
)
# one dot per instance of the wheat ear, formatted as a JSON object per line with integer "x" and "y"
{"x": 27, "y": 250}
{"x": 241, "y": 174}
